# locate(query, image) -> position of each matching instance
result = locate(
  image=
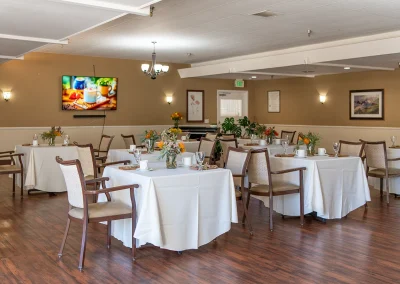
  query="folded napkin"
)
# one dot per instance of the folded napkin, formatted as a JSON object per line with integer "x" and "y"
{"x": 129, "y": 168}
{"x": 284, "y": 155}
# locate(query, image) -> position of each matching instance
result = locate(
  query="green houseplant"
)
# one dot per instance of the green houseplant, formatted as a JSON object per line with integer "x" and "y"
{"x": 248, "y": 126}
{"x": 229, "y": 127}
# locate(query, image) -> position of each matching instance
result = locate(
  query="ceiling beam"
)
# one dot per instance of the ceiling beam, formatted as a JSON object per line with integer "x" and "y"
{"x": 354, "y": 66}
{"x": 143, "y": 10}
{"x": 278, "y": 74}
{"x": 11, "y": 57}
{"x": 35, "y": 39}
{"x": 375, "y": 45}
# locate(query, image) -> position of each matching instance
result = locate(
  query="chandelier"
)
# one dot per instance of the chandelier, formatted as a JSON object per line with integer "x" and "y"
{"x": 155, "y": 69}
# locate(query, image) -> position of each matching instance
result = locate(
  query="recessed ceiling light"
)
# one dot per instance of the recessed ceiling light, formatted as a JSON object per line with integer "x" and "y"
{"x": 347, "y": 68}
{"x": 254, "y": 77}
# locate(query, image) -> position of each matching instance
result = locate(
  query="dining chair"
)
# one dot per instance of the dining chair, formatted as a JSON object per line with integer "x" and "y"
{"x": 208, "y": 146}
{"x": 354, "y": 149}
{"x": 8, "y": 166}
{"x": 83, "y": 212}
{"x": 104, "y": 146}
{"x": 261, "y": 183}
{"x": 376, "y": 158}
{"x": 211, "y": 136}
{"x": 130, "y": 140}
{"x": 290, "y": 134}
{"x": 237, "y": 161}
{"x": 179, "y": 136}
{"x": 225, "y": 144}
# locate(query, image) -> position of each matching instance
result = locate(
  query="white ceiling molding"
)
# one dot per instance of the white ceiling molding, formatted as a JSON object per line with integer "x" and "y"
{"x": 278, "y": 74}
{"x": 36, "y": 39}
{"x": 142, "y": 10}
{"x": 355, "y": 66}
{"x": 380, "y": 44}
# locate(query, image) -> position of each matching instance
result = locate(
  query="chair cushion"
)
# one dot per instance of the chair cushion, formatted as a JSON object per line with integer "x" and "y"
{"x": 9, "y": 168}
{"x": 102, "y": 209}
{"x": 277, "y": 187}
{"x": 382, "y": 172}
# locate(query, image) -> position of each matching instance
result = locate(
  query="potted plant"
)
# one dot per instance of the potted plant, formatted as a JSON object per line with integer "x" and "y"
{"x": 260, "y": 131}
{"x": 248, "y": 126}
{"x": 104, "y": 86}
{"x": 229, "y": 127}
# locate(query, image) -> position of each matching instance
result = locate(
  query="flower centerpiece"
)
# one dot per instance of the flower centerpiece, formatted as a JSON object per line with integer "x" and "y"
{"x": 311, "y": 140}
{"x": 271, "y": 133}
{"x": 51, "y": 135}
{"x": 170, "y": 148}
{"x": 176, "y": 117}
{"x": 175, "y": 131}
{"x": 150, "y": 137}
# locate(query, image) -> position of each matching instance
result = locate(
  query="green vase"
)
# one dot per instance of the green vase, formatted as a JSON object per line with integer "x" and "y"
{"x": 311, "y": 150}
{"x": 150, "y": 145}
{"x": 52, "y": 141}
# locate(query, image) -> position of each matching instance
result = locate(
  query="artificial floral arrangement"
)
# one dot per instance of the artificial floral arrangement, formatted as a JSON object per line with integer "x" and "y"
{"x": 271, "y": 133}
{"x": 150, "y": 136}
{"x": 52, "y": 134}
{"x": 175, "y": 131}
{"x": 176, "y": 117}
{"x": 170, "y": 148}
{"x": 310, "y": 139}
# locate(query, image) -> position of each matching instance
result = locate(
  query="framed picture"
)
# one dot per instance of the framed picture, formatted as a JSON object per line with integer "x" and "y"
{"x": 367, "y": 104}
{"x": 274, "y": 101}
{"x": 195, "y": 106}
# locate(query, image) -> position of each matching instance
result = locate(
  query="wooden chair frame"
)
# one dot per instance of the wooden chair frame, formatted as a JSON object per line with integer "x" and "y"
{"x": 133, "y": 140}
{"x": 98, "y": 151}
{"x": 11, "y": 161}
{"x": 286, "y": 132}
{"x": 270, "y": 192}
{"x": 360, "y": 154}
{"x": 107, "y": 219}
{"x": 211, "y": 157}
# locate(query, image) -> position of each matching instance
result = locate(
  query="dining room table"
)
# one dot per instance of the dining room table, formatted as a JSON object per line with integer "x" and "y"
{"x": 115, "y": 155}
{"x": 177, "y": 209}
{"x": 333, "y": 186}
{"x": 41, "y": 169}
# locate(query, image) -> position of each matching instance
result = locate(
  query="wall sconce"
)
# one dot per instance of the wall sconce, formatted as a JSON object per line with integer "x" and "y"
{"x": 322, "y": 99}
{"x": 6, "y": 96}
{"x": 169, "y": 99}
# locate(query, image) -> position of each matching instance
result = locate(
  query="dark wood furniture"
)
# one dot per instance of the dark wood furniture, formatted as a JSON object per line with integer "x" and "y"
{"x": 8, "y": 166}
{"x": 104, "y": 146}
{"x": 83, "y": 212}
{"x": 376, "y": 158}
{"x": 208, "y": 146}
{"x": 290, "y": 134}
{"x": 130, "y": 140}
{"x": 260, "y": 174}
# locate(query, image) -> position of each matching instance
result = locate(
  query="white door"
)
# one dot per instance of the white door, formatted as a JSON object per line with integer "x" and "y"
{"x": 231, "y": 104}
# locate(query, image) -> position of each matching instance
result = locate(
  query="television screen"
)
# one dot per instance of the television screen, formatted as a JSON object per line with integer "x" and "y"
{"x": 89, "y": 93}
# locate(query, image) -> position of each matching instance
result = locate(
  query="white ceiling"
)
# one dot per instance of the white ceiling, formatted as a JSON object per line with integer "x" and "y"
{"x": 215, "y": 29}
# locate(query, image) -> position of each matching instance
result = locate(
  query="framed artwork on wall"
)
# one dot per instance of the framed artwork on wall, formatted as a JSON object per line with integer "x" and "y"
{"x": 367, "y": 104}
{"x": 195, "y": 106}
{"x": 274, "y": 101}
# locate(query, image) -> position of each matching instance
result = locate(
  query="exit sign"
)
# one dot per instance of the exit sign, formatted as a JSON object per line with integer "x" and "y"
{"x": 239, "y": 83}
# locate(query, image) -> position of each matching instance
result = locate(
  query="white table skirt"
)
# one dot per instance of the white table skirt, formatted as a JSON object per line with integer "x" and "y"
{"x": 333, "y": 187}
{"x": 115, "y": 155}
{"x": 41, "y": 169}
{"x": 394, "y": 183}
{"x": 177, "y": 209}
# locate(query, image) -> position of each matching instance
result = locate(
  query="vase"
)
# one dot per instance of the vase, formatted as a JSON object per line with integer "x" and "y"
{"x": 52, "y": 141}
{"x": 176, "y": 124}
{"x": 150, "y": 145}
{"x": 311, "y": 150}
{"x": 171, "y": 161}
{"x": 269, "y": 140}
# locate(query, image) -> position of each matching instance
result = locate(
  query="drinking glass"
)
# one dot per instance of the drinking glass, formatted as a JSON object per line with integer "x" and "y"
{"x": 336, "y": 146}
{"x": 35, "y": 137}
{"x": 285, "y": 144}
{"x": 252, "y": 138}
{"x": 188, "y": 137}
{"x": 287, "y": 138}
{"x": 393, "y": 138}
{"x": 200, "y": 159}
{"x": 66, "y": 139}
{"x": 138, "y": 155}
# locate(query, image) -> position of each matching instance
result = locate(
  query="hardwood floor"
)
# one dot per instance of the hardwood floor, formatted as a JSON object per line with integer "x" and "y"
{"x": 362, "y": 248}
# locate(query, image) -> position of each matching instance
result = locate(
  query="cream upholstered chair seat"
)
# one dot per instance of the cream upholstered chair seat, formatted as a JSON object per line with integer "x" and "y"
{"x": 9, "y": 168}
{"x": 276, "y": 187}
{"x": 102, "y": 209}
{"x": 382, "y": 172}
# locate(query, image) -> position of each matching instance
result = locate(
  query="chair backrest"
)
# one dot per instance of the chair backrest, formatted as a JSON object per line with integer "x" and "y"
{"x": 207, "y": 146}
{"x": 290, "y": 134}
{"x": 351, "y": 148}
{"x": 259, "y": 170}
{"x": 128, "y": 140}
{"x": 375, "y": 154}
{"x": 211, "y": 136}
{"x": 299, "y": 136}
{"x": 225, "y": 144}
{"x": 105, "y": 143}
{"x": 237, "y": 161}
{"x": 228, "y": 136}
{"x": 87, "y": 159}
{"x": 75, "y": 181}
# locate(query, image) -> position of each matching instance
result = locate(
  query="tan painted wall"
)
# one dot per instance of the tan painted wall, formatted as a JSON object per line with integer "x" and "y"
{"x": 36, "y": 86}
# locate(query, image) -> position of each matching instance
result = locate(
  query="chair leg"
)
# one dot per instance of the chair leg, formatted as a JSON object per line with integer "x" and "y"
{"x": 381, "y": 186}
{"x": 247, "y": 206}
{"x": 246, "y": 214}
{"x": 108, "y": 234}
{"x": 387, "y": 191}
{"x": 22, "y": 185}
{"x": 13, "y": 184}
{"x": 133, "y": 239}
{"x": 301, "y": 199}
{"x": 64, "y": 239}
{"x": 271, "y": 210}
{"x": 83, "y": 246}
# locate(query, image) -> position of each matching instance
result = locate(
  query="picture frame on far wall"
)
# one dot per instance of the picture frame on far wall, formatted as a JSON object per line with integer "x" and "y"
{"x": 274, "y": 101}
{"x": 367, "y": 104}
{"x": 195, "y": 106}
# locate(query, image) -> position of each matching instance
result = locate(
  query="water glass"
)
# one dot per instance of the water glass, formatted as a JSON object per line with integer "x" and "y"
{"x": 66, "y": 139}
{"x": 200, "y": 159}
{"x": 393, "y": 138}
{"x": 285, "y": 144}
{"x": 336, "y": 146}
{"x": 138, "y": 155}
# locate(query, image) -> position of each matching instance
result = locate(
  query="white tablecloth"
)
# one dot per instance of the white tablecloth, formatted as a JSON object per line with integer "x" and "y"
{"x": 333, "y": 187}
{"x": 177, "y": 209}
{"x": 273, "y": 149}
{"x": 115, "y": 155}
{"x": 41, "y": 169}
{"x": 394, "y": 183}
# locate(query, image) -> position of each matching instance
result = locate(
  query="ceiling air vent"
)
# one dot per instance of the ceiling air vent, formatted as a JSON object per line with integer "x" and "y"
{"x": 265, "y": 14}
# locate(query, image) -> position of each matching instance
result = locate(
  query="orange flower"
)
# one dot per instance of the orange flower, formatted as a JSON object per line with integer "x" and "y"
{"x": 57, "y": 133}
{"x": 306, "y": 141}
{"x": 182, "y": 147}
{"x": 160, "y": 144}
{"x": 148, "y": 136}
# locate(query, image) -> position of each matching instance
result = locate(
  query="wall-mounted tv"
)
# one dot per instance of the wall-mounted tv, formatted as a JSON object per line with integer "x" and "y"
{"x": 89, "y": 93}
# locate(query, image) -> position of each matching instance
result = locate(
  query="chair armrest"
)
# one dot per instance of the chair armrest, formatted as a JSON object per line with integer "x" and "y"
{"x": 97, "y": 180}
{"x": 288, "y": 171}
{"x": 7, "y": 152}
{"x": 395, "y": 159}
{"x": 111, "y": 189}
{"x": 11, "y": 155}
{"x": 103, "y": 165}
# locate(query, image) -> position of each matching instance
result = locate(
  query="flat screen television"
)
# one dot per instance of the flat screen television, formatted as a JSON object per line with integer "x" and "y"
{"x": 89, "y": 93}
